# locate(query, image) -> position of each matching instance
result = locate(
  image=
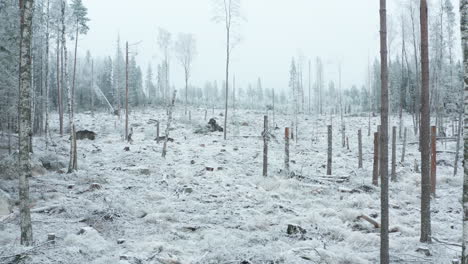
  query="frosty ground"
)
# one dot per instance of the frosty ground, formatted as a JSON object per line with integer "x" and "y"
{"x": 136, "y": 207}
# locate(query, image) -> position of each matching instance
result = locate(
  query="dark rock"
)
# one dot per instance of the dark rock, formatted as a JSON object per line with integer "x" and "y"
{"x": 145, "y": 171}
{"x": 213, "y": 126}
{"x": 85, "y": 134}
{"x": 127, "y": 148}
{"x": 164, "y": 138}
{"x": 425, "y": 251}
{"x": 295, "y": 230}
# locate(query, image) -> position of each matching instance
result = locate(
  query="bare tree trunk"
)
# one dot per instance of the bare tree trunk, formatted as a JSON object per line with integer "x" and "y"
{"x": 169, "y": 121}
{"x": 71, "y": 165}
{"x": 46, "y": 128}
{"x": 24, "y": 122}
{"x": 384, "y": 241}
{"x": 393, "y": 173}
{"x": 228, "y": 31}
{"x": 310, "y": 80}
{"x": 126, "y": 91}
{"x": 74, "y": 144}
{"x": 360, "y": 148}
{"x": 375, "y": 170}
{"x": 329, "y": 152}
{"x": 274, "y": 124}
{"x": 265, "y": 146}
{"x": 457, "y": 150}
{"x": 157, "y": 131}
{"x": 186, "y": 90}
{"x": 59, "y": 82}
{"x": 404, "y": 147}
{"x": 286, "y": 151}
{"x": 464, "y": 34}
{"x": 425, "y": 130}
{"x": 433, "y": 160}
{"x": 92, "y": 87}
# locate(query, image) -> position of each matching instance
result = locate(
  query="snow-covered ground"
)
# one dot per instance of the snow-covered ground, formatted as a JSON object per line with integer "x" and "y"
{"x": 173, "y": 210}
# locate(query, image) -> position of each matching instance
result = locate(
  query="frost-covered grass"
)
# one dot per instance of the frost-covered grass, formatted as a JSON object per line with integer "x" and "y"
{"x": 175, "y": 210}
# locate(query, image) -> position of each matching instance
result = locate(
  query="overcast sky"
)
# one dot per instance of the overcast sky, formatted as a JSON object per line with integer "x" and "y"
{"x": 273, "y": 32}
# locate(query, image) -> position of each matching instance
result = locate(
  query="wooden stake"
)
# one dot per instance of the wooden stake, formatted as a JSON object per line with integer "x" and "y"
{"x": 393, "y": 172}
{"x": 404, "y": 147}
{"x": 360, "y": 148}
{"x": 265, "y": 146}
{"x": 433, "y": 160}
{"x": 375, "y": 171}
{"x": 157, "y": 131}
{"x": 286, "y": 150}
{"x": 329, "y": 153}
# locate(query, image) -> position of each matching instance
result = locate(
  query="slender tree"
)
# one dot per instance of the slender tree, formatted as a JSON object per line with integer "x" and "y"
{"x": 464, "y": 34}
{"x": 79, "y": 13}
{"x": 186, "y": 51}
{"x": 164, "y": 42}
{"x": 384, "y": 243}
{"x": 47, "y": 34}
{"x": 425, "y": 129}
{"x": 24, "y": 124}
{"x": 227, "y": 12}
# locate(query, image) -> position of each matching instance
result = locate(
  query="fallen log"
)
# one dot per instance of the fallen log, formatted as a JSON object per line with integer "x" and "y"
{"x": 370, "y": 220}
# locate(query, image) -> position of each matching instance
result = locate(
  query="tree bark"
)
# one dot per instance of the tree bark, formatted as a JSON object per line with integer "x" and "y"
{"x": 228, "y": 32}
{"x": 403, "y": 152}
{"x": 425, "y": 129}
{"x": 59, "y": 82}
{"x": 360, "y": 148}
{"x": 72, "y": 163}
{"x": 169, "y": 121}
{"x": 126, "y": 91}
{"x": 46, "y": 128}
{"x": 393, "y": 173}
{"x": 375, "y": 170}
{"x": 265, "y": 146}
{"x": 329, "y": 152}
{"x": 24, "y": 122}
{"x": 464, "y": 34}
{"x": 433, "y": 160}
{"x": 384, "y": 241}
{"x": 286, "y": 151}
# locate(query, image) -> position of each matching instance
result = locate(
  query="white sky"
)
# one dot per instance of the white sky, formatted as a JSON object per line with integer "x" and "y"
{"x": 274, "y": 31}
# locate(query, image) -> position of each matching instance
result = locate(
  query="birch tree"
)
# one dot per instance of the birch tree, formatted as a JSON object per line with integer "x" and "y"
{"x": 79, "y": 13}
{"x": 25, "y": 131}
{"x": 186, "y": 50}
{"x": 164, "y": 42}
{"x": 228, "y": 13}
{"x": 464, "y": 35}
